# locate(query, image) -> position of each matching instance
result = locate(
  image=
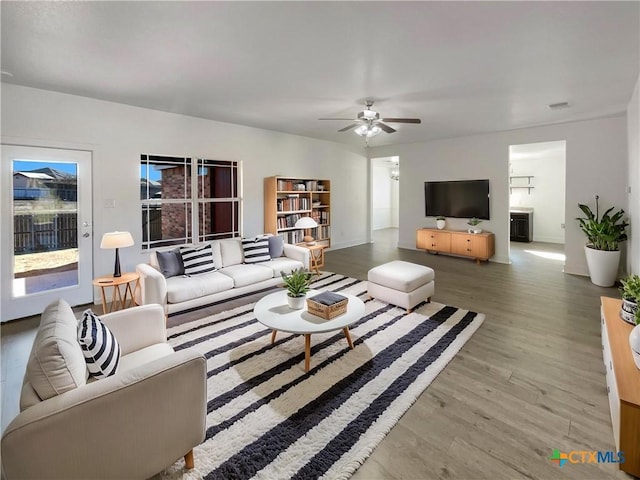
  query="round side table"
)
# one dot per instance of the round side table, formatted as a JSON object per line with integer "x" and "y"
{"x": 116, "y": 295}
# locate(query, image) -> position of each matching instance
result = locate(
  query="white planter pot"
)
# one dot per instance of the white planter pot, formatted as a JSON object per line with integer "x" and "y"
{"x": 440, "y": 224}
{"x": 603, "y": 266}
{"x": 634, "y": 343}
{"x": 296, "y": 303}
{"x": 628, "y": 311}
{"x": 474, "y": 230}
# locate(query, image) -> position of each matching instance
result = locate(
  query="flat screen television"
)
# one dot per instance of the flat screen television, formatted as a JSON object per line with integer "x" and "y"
{"x": 459, "y": 199}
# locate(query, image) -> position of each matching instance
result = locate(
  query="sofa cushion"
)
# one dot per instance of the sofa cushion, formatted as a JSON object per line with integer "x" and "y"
{"x": 231, "y": 251}
{"x": 181, "y": 289}
{"x": 56, "y": 363}
{"x": 276, "y": 246}
{"x": 282, "y": 264}
{"x": 170, "y": 263}
{"x": 256, "y": 249}
{"x": 144, "y": 355}
{"x": 243, "y": 275}
{"x": 198, "y": 260}
{"x": 99, "y": 346}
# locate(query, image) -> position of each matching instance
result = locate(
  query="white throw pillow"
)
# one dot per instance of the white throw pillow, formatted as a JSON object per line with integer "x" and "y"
{"x": 56, "y": 364}
{"x": 99, "y": 346}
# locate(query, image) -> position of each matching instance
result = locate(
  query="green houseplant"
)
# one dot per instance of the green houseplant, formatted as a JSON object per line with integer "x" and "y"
{"x": 297, "y": 284}
{"x": 604, "y": 234}
{"x": 473, "y": 223}
{"x": 630, "y": 292}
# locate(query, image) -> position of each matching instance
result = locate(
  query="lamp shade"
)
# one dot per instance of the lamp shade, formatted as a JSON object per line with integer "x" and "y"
{"x": 306, "y": 222}
{"x": 116, "y": 240}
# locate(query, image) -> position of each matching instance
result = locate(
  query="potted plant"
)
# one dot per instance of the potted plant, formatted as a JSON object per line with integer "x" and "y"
{"x": 604, "y": 234}
{"x": 473, "y": 223}
{"x": 440, "y": 222}
{"x": 297, "y": 283}
{"x": 630, "y": 292}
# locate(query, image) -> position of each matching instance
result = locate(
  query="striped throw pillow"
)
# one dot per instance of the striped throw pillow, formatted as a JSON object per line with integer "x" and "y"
{"x": 197, "y": 260}
{"x": 99, "y": 347}
{"x": 256, "y": 249}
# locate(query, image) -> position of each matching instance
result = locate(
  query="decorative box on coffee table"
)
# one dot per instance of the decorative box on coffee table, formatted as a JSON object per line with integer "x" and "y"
{"x": 327, "y": 305}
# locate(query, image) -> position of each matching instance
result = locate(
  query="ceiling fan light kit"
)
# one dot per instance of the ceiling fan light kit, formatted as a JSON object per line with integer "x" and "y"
{"x": 368, "y": 130}
{"x": 368, "y": 123}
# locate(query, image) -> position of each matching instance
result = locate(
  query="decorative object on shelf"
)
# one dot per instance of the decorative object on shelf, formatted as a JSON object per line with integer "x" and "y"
{"x": 297, "y": 284}
{"x": 473, "y": 223}
{"x": 440, "y": 222}
{"x": 630, "y": 292}
{"x": 634, "y": 343}
{"x": 603, "y": 237}
{"x": 307, "y": 223}
{"x": 116, "y": 240}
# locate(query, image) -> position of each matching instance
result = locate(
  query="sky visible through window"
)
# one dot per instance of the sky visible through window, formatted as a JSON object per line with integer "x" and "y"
{"x": 29, "y": 166}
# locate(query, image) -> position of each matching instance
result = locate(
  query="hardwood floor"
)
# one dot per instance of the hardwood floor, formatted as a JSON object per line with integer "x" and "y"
{"x": 530, "y": 380}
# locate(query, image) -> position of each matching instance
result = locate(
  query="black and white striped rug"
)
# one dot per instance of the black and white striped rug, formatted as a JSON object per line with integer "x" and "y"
{"x": 268, "y": 419}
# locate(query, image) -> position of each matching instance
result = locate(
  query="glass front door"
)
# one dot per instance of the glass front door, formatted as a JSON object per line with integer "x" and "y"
{"x": 46, "y": 214}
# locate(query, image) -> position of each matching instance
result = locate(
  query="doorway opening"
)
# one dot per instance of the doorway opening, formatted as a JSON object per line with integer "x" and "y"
{"x": 537, "y": 185}
{"x": 385, "y": 193}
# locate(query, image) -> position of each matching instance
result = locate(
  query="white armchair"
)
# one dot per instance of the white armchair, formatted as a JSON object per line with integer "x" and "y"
{"x": 132, "y": 424}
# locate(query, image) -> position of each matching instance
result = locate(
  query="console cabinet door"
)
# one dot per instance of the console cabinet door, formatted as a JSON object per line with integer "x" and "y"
{"x": 434, "y": 240}
{"x": 469, "y": 245}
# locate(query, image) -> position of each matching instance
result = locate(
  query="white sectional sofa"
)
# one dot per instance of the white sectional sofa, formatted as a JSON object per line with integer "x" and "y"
{"x": 232, "y": 278}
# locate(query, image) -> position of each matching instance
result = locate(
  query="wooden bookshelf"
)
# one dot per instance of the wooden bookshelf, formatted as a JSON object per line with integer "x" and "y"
{"x": 287, "y": 199}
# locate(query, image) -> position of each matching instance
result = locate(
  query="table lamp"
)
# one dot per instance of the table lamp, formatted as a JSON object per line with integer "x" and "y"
{"x": 116, "y": 240}
{"x": 307, "y": 223}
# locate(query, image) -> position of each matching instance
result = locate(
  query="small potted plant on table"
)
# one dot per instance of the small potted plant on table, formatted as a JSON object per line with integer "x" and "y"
{"x": 474, "y": 228}
{"x": 630, "y": 292}
{"x": 297, "y": 284}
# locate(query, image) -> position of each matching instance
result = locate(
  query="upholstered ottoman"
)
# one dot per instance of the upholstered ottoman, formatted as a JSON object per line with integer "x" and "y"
{"x": 401, "y": 283}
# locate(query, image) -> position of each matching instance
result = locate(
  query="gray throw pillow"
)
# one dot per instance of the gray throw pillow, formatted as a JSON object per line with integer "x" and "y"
{"x": 170, "y": 263}
{"x": 276, "y": 246}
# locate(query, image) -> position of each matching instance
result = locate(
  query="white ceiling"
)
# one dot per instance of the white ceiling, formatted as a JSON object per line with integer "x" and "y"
{"x": 462, "y": 67}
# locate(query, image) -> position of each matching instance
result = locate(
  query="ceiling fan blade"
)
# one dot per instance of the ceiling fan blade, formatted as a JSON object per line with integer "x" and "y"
{"x": 344, "y": 119}
{"x": 349, "y": 127}
{"x": 402, "y": 120}
{"x": 386, "y": 128}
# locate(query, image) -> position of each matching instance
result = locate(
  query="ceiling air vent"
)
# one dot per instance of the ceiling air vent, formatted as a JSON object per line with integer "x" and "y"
{"x": 559, "y": 105}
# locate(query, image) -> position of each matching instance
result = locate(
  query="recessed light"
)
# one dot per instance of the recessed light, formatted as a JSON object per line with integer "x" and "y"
{"x": 559, "y": 105}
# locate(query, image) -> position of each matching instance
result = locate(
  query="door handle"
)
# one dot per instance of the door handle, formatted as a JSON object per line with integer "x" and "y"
{"x": 86, "y": 234}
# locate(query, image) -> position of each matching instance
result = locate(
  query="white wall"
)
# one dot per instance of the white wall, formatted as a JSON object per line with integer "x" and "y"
{"x": 633, "y": 129}
{"x": 385, "y": 194}
{"x": 596, "y": 163}
{"x": 117, "y": 134}
{"x": 547, "y": 165}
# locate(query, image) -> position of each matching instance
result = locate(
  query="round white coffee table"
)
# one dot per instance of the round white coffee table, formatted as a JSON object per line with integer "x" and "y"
{"x": 273, "y": 311}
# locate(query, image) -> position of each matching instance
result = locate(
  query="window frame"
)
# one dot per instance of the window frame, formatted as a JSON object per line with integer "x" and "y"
{"x": 193, "y": 201}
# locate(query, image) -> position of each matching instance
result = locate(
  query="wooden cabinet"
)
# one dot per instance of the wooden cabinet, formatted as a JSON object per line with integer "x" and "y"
{"x": 480, "y": 246}
{"x": 623, "y": 384}
{"x": 434, "y": 240}
{"x": 287, "y": 199}
{"x": 521, "y": 227}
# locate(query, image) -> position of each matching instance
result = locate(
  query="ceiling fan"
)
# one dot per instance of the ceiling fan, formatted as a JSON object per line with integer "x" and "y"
{"x": 369, "y": 124}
